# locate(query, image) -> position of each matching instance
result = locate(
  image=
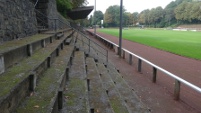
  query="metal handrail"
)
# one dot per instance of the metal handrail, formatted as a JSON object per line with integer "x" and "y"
{"x": 156, "y": 67}
{"x": 36, "y": 3}
{"x": 106, "y": 51}
{"x": 89, "y": 40}
{"x": 166, "y": 72}
{"x": 78, "y": 32}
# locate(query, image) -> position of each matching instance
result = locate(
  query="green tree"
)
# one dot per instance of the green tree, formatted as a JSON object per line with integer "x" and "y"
{"x": 135, "y": 17}
{"x": 144, "y": 17}
{"x": 78, "y": 3}
{"x": 91, "y": 20}
{"x": 112, "y": 15}
{"x": 180, "y": 11}
{"x": 130, "y": 18}
{"x": 98, "y": 16}
{"x": 65, "y": 5}
{"x": 159, "y": 16}
{"x": 169, "y": 13}
{"x": 195, "y": 13}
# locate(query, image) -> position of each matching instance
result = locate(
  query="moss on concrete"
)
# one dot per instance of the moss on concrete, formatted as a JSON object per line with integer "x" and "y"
{"x": 115, "y": 99}
{"x": 97, "y": 96}
{"x": 47, "y": 89}
{"x": 22, "y": 70}
{"x": 11, "y": 45}
{"x": 76, "y": 94}
{"x": 75, "y": 87}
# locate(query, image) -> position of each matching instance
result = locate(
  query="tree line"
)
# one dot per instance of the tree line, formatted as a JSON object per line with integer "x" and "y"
{"x": 65, "y": 5}
{"x": 175, "y": 13}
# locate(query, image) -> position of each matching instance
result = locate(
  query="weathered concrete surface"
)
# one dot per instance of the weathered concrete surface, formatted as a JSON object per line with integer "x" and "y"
{"x": 2, "y": 65}
{"x": 17, "y": 19}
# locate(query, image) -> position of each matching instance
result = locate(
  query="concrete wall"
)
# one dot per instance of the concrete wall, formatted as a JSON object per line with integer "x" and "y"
{"x": 17, "y": 19}
{"x": 52, "y": 13}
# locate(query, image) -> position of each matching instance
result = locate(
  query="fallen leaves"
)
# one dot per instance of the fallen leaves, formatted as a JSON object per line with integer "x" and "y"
{"x": 31, "y": 94}
{"x": 36, "y": 106}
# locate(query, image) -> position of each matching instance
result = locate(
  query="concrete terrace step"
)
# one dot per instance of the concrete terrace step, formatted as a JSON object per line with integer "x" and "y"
{"x": 15, "y": 82}
{"x": 133, "y": 103}
{"x": 13, "y": 51}
{"x": 46, "y": 95}
{"x": 76, "y": 97}
{"x": 68, "y": 41}
{"x": 58, "y": 31}
{"x": 116, "y": 101}
{"x": 11, "y": 45}
{"x": 98, "y": 98}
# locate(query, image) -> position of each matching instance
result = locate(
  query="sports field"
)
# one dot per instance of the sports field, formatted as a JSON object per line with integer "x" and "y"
{"x": 184, "y": 43}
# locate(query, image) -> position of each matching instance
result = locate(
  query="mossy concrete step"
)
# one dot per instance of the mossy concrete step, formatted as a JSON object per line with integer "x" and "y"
{"x": 14, "y": 51}
{"x": 76, "y": 98}
{"x": 98, "y": 99}
{"x": 132, "y": 101}
{"x": 12, "y": 45}
{"x": 116, "y": 101}
{"x": 59, "y": 31}
{"x": 68, "y": 40}
{"x": 15, "y": 83}
{"x": 60, "y": 35}
{"x": 46, "y": 95}
{"x": 42, "y": 30}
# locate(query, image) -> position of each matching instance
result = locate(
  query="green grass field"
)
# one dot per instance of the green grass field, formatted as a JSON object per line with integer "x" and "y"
{"x": 184, "y": 43}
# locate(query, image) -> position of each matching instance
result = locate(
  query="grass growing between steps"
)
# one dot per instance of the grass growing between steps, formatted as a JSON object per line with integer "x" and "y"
{"x": 115, "y": 99}
{"x": 21, "y": 71}
{"x": 46, "y": 90}
{"x": 98, "y": 98}
{"x": 76, "y": 88}
{"x": 71, "y": 95}
{"x": 39, "y": 102}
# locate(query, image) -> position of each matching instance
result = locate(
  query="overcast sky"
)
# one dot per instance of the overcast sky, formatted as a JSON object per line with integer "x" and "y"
{"x": 130, "y": 5}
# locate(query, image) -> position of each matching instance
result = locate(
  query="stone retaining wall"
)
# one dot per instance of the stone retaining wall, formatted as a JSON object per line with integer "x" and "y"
{"x": 17, "y": 19}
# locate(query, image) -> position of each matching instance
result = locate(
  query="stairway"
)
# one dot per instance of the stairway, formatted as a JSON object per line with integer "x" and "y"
{"x": 94, "y": 87}
{"x": 57, "y": 73}
{"x": 25, "y": 64}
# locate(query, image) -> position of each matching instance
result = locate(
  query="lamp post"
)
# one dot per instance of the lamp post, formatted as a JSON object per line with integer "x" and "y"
{"x": 94, "y": 19}
{"x": 120, "y": 29}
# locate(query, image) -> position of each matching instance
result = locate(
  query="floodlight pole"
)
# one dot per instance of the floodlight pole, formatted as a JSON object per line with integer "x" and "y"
{"x": 94, "y": 19}
{"x": 120, "y": 29}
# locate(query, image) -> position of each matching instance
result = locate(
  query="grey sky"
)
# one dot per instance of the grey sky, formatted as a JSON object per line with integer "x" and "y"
{"x": 130, "y": 5}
